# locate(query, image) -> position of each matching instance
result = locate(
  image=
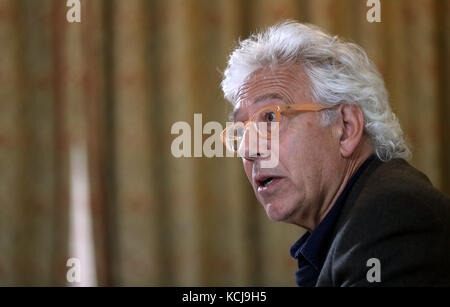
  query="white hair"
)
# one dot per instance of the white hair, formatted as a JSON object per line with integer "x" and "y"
{"x": 339, "y": 72}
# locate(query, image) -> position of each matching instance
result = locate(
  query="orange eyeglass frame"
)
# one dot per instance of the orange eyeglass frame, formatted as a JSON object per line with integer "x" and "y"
{"x": 278, "y": 109}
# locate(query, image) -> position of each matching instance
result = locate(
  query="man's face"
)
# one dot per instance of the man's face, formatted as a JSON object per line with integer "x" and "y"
{"x": 307, "y": 150}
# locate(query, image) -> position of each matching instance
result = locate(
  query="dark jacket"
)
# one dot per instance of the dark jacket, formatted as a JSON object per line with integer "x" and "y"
{"x": 394, "y": 214}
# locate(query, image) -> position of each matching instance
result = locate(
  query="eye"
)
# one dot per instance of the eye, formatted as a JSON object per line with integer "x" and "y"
{"x": 270, "y": 117}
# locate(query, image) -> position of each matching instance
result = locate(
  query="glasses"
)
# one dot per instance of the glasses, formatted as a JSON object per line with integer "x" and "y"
{"x": 265, "y": 121}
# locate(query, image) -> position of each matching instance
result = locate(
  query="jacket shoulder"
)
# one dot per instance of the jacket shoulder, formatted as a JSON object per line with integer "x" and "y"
{"x": 399, "y": 218}
{"x": 399, "y": 190}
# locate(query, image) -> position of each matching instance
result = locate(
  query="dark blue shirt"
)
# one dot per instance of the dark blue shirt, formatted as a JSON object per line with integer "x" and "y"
{"x": 312, "y": 248}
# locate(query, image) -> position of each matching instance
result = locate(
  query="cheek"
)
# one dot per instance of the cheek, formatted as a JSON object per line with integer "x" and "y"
{"x": 301, "y": 150}
{"x": 307, "y": 140}
{"x": 248, "y": 169}
{"x": 293, "y": 146}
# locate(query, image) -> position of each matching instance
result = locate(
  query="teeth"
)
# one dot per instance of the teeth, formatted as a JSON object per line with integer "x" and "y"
{"x": 267, "y": 181}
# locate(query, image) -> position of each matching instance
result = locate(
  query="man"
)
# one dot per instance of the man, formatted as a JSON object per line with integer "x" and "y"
{"x": 371, "y": 218}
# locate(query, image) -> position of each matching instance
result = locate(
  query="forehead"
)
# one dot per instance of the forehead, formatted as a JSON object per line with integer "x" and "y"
{"x": 287, "y": 84}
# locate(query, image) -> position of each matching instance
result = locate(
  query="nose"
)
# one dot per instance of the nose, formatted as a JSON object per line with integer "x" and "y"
{"x": 253, "y": 146}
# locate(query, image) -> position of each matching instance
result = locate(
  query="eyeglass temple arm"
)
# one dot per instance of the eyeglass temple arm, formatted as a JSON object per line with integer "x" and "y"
{"x": 302, "y": 107}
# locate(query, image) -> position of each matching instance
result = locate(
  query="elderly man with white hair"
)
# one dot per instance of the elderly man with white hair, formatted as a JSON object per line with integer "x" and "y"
{"x": 371, "y": 218}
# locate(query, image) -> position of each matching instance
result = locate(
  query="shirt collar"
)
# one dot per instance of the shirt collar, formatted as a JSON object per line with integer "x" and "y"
{"x": 313, "y": 246}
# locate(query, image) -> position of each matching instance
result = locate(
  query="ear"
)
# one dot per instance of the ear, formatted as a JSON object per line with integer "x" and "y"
{"x": 352, "y": 128}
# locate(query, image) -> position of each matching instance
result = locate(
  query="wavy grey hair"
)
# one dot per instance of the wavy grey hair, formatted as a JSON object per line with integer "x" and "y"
{"x": 339, "y": 72}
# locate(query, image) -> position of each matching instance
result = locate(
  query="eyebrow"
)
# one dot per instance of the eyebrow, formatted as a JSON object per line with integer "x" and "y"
{"x": 268, "y": 96}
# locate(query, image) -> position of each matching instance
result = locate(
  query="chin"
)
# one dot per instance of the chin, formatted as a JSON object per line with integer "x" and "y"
{"x": 276, "y": 212}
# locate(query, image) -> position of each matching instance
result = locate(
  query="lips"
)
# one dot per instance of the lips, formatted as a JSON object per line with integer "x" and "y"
{"x": 264, "y": 182}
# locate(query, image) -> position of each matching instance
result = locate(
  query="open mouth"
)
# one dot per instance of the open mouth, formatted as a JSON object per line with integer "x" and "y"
{"x": 265, "y": 182}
